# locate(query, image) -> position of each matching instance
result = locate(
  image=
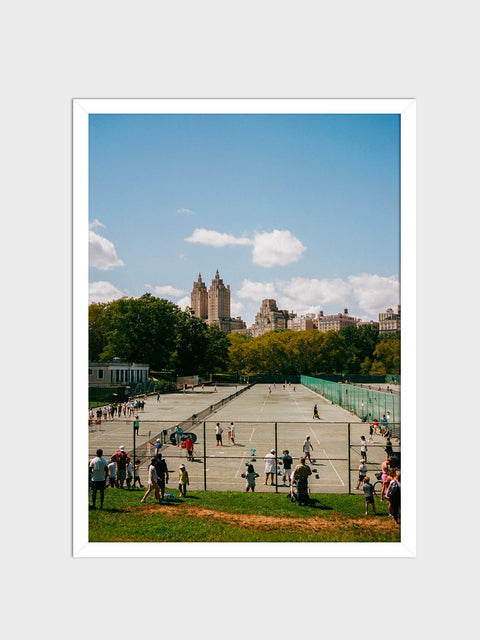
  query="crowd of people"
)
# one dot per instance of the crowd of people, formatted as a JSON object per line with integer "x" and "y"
{"x": 115, "y": 410}
{"x": 120, "y": 471}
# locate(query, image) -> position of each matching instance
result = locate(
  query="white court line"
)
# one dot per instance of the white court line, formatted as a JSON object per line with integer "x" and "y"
{"x": 343, "y": 484}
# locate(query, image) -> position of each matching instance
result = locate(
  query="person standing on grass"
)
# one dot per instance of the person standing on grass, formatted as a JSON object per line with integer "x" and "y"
{"x": 112, "y": 474}
{"x": 393, "y": 497}
{"x": 363, "y": 448}
{"x": 270, "y": 467}
{"x": 218, "y": 434}
{"x": 250, "y": 479}
{"x": 152, "y": 481}
{"x": 183, "y": 480}
{"x": 362, "y": 472}
{"x": 129, "y": 474}
{"x": 287, "y": 467}
{"x": 369, "y": 499}
{"x": 300, "y": 478}
{"x": 122, "y": 459}
{"x": 307, "y": 447}
{"x": 385, "y": 477}
{"x": 136, "y": 474}
{"x": 98, "y": 469}
{"x": 162, "y": 475}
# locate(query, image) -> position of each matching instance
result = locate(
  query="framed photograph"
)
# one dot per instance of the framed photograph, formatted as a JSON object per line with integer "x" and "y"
{"x": 243, "y": 270}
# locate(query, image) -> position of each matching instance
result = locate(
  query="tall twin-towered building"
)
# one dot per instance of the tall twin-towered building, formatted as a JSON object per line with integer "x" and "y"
{"x": 214, "y": 305}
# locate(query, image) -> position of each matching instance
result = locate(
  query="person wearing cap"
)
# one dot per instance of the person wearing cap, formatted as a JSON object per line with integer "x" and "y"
{"x": 122, "y": 459}
{"x": 362, "y": 472}
{"x": 98, "y": 469}
{"x": 300, "y": 478}
{"x": 307, "y": 447}
{"x": 270, "y": 467}
{"x": 183, "y": 480}
{"x": 158, "y": 446}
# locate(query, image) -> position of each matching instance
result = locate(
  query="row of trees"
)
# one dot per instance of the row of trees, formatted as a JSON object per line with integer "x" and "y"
{"x": 352, "y": 350}
{"x": 157, "y": 332}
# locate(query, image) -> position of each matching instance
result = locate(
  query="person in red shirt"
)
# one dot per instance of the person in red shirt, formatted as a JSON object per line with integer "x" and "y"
{"x": 189, "y": 447}
{"x": 122, "y": 459}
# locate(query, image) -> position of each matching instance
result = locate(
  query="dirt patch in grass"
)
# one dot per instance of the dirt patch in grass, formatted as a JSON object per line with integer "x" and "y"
{"x": 258, "y": 522}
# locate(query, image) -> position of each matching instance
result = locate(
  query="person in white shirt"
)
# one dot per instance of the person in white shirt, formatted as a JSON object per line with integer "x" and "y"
{"x": 362, "y": 472}
{"x": 152, "y": 481}
{"x": 307, "y": 447}
{"x": 270, "y": 467}
{"x": 231, "y": 433}
{"x": 112, "y": 474}
{"x": 218, "y": 434}
{"x": 98, "y": 469}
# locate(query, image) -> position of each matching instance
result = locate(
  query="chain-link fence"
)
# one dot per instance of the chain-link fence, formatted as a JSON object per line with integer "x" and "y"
{"x": 367, "y": 404}
{"x": 219, "y": 458}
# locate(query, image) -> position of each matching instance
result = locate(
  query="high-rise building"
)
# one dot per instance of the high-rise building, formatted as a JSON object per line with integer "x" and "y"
{"x": 199, "y": 298}
{"x": 218, "y": 301}
{"x": 214, "y": 305}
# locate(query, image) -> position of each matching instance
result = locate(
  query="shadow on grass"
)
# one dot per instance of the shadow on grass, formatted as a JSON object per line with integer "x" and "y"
{"x": 315, "y": 504}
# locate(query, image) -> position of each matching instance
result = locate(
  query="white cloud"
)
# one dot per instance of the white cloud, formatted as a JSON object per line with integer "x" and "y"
{"x": 184, "y": 302}
{"x": 276, "y": 248}
{"x": 236, "y": 308}
{"x": 187, "y": 212}
{"x": 102, "y": 291}
{"x": 216, "y": 239}
{"x": 269, "y": 248}
{"x": 257, "y": 291}
{"x": 375, "y": 294}
{"x": 165, "y": 290}
{"x": 311, "y": 291}
{"x": 95, "y": 223}
{"x": 102, "y": 254}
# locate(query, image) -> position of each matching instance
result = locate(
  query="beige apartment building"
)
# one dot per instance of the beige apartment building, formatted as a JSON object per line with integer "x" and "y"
{"x": 389, "y": 321}
{"x": 336, "y": 322}
{"x": 302, "y": 323}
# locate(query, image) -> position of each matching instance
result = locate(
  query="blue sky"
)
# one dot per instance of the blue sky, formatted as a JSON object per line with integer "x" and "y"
{"x": 301, "y": 208}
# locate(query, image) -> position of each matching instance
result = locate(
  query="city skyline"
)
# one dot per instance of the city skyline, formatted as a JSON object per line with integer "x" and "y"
{"x": 303, "y": 209}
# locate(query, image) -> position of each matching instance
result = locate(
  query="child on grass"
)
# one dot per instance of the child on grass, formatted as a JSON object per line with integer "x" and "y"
{"x": 368, "y": 491}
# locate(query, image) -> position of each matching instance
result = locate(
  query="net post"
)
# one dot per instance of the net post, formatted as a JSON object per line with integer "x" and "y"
{"x": 204, "y": 458}
{"x": 349, "y": 462}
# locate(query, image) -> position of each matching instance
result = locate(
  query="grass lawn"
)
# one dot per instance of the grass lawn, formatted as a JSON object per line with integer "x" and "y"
{"x": 231, "y": 516}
